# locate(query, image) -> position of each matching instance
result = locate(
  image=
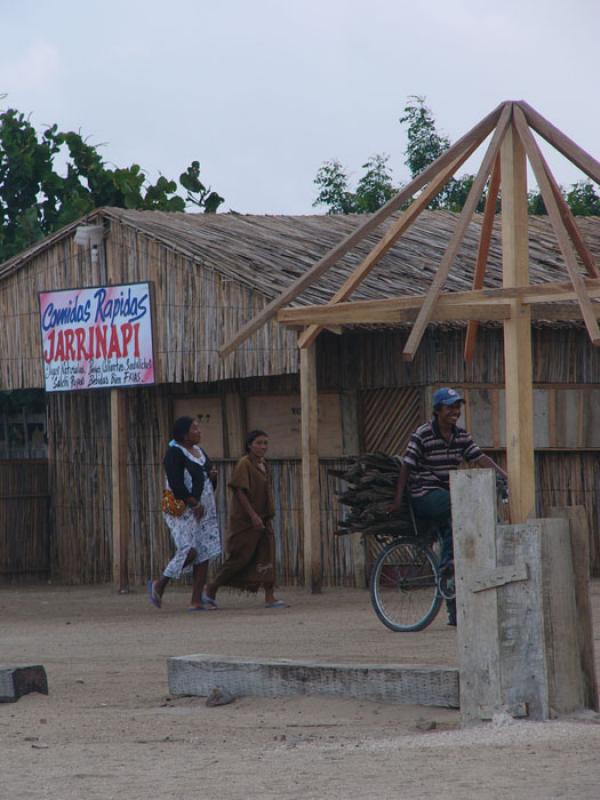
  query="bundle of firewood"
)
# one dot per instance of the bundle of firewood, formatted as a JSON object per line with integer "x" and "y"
{"x": 371, "y": 486}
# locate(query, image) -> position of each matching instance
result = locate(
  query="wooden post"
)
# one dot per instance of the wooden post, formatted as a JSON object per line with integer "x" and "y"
{"x": 580, "y": 550}
{"x": 517, "y": 331}
{"x": 517, "y": 619}
{"x": 118, "y": 463}
{"x": 310, "y": 469}
{"x": 120, "y": 510}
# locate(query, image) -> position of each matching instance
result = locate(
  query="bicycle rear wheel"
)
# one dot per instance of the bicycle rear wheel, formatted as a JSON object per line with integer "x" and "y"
{"x": 403, "y": 586}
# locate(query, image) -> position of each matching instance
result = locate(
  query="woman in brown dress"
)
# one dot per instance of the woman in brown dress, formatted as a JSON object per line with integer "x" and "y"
{"x": 250, "y": 562}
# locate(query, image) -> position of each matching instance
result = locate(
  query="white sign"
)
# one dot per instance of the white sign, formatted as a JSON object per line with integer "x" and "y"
{"x": 97, "y": 338}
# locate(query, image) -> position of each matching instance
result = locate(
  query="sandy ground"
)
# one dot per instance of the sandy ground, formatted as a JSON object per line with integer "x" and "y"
{"x": 108, "y": 728}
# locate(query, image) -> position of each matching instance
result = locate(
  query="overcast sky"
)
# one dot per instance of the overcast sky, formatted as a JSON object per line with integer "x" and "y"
{"x": 261, "y": 92}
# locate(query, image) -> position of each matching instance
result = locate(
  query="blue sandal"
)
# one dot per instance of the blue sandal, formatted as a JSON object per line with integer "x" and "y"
{"x": 209, "y": 601}
{"x": 153, "y": 595}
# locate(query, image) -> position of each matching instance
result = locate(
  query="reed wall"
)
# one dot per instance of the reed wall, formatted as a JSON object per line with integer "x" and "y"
{"x": 195, "y": 310}
{"x": 79, "y": 429}
{"x": 373, "y": 359}
{"x": 24, "y": 530}
{"x": 81, "y": 509}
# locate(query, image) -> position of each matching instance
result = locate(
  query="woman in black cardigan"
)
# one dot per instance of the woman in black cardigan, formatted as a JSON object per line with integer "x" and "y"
{"x": 189, "y": 510}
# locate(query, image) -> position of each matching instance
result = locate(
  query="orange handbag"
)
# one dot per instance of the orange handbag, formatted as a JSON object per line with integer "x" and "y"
{"x": 171, "y": 505}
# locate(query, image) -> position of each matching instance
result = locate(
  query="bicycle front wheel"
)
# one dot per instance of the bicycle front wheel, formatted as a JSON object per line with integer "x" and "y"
{"x": 403, "y": 586}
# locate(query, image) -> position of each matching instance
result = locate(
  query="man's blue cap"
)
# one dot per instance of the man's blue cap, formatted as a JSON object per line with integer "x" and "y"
{"x": 446, "y": 397}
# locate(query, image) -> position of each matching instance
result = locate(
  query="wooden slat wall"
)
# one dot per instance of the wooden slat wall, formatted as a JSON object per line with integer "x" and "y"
{"x": 389, "y": 416}
{"x": 80, "y": 446}
{"x": 80, "y": 486}
{"x": 62, "y": 265}
{"x": 565, "y": 479}
{"x": 81, "y": 510}
{"x": 338, "y": 566}
{"x": 24, "y": 529}
{"x": 373, "y": 359}
{"x": 196, "y": 310}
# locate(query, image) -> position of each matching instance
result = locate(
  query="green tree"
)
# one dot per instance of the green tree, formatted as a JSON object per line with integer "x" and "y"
{"x": 375, "y": 187}
{"x": 583, "y": 199}
{"x": 332, "y": 181}
{"x": 424, "y": 143}
{"x": 36, "y": 199}
{"x": 424, "y": 146}
{"x": 535, "y": 203}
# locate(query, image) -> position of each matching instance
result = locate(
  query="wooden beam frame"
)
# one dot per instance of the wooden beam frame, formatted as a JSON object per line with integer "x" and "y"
{"x": 387, "y": 241}
{"x": 485, "y": 238}
{"x": 518, "y": 369}
{"x": 569, "y": 222}
{"x": 469, "y": 207}
{"x": 310, "y": 469}
{"x": 476, "y": 135}
{"x": 544, "y": 298}
{"x": 576, "y": 154}
{"x": 552, "y": 207}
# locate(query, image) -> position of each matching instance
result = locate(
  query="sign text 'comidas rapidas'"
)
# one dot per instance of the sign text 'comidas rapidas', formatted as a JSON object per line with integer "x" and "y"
{"x": 97, "y": 338}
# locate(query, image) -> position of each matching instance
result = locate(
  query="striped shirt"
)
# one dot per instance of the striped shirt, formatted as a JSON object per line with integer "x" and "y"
{"x": 430, "y": 457}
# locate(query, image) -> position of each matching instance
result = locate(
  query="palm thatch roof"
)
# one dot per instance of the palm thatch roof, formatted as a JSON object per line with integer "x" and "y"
{"x": 267, "y": 253}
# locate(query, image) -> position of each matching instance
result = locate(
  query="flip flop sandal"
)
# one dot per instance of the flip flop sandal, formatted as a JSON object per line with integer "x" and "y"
{"x": 208, "y": 601}
{"x": 276, "y": 604}
{"x": 153, "y": 595}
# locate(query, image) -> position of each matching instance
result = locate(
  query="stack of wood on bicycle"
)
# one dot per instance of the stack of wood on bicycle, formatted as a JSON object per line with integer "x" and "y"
{"x": 371, "y": 480}
{"x": 407, "y": 583}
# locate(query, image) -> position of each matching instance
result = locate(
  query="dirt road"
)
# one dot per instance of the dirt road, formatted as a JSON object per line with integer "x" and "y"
{"x": 109, "y": 729}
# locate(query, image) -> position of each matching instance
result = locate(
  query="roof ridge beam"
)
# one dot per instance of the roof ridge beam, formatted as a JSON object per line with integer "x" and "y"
{"x": 464, "y": 219}
{"x": 537, "y": 163}
{"x": 485, "y": 238}
{"x": 561, "y": 142}
{"x": 477, "y": 134}
{"x": 387, "y": 241}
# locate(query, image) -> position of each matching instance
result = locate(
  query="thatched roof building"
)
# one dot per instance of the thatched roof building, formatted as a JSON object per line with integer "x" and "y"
{"x": 210, "y": 274}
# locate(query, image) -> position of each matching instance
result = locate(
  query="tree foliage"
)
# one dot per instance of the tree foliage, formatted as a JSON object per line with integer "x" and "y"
{"x": 375, "y": 187}
{"x": 334, "y": 193}
{"x": 424, "y": 145}
{"x": 373, "y": 190}
{"x": 36, "y": 198}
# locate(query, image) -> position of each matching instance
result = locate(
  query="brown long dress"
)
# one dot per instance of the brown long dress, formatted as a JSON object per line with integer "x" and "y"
{"x": 250, "y": 562}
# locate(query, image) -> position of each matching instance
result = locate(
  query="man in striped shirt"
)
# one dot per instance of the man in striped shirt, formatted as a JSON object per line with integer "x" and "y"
{"x": 434, "y": 449}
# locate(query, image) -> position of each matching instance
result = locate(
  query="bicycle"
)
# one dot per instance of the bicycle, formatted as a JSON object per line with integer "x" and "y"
{"x": 409, "y": 583}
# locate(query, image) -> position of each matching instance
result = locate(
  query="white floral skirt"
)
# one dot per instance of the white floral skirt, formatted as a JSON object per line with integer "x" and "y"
{"x": 187, "y": 531}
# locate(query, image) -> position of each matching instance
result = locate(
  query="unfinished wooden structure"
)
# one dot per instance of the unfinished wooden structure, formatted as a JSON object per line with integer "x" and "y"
{"x": 211, "y": 274}
{"x": 525, "y": 634}
{"x": 504, "y": 166}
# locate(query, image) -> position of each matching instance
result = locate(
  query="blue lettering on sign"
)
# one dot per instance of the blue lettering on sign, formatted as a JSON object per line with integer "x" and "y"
{"x": 73, "y": 312}
{"x": 124, "y": 307}
{"x": 128, "y": 307}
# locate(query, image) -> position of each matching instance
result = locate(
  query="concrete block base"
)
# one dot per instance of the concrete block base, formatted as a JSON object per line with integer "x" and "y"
{"x": 390, "y": 683}
{"x": 17, "y": 681}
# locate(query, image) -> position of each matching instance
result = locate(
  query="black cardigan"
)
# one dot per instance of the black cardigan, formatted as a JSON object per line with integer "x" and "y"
{"x": 175, "y": 462}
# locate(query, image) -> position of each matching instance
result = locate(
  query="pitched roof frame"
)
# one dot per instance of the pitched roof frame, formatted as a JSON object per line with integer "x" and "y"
{"x": 522, "y": 117}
